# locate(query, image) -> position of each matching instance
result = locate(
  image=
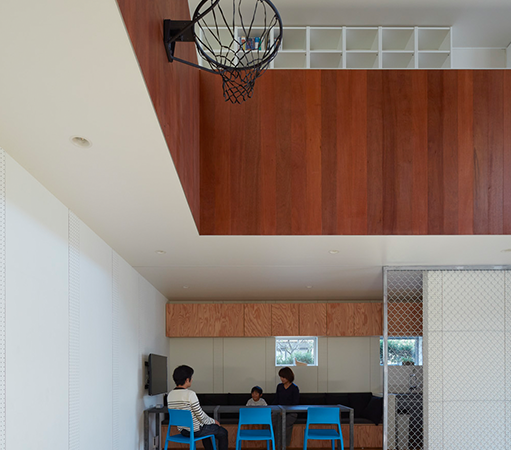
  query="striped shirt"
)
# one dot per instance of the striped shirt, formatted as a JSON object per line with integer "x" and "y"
{"x": 185, "y": 399}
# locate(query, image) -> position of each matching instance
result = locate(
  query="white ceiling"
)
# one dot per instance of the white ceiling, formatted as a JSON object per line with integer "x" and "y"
{"x": 67, "y": 68}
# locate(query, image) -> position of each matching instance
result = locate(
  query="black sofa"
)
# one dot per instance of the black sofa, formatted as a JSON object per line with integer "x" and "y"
{"x": 368, "y": 409}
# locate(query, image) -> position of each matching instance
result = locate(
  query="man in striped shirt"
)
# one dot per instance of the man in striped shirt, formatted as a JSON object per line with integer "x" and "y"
{"x": 183, "y": 398}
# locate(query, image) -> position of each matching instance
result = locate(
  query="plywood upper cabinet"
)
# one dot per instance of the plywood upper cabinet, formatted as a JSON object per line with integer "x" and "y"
{"x": 285, "y": 319}
{"x": 354, "y": 319}
{"x": 312, "y": 319}
{"x": 404, "y": 318}
{"x": 339, "y": 319}
{"x": 183, "y": 320}
{"x": 204, "y": 320}
{"x": 257, "y": 319}
{"x": 368, "y": 318}
{"x": 231, "y": 320}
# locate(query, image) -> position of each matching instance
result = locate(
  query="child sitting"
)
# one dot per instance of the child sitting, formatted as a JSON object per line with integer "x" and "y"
{"x": 256, "y": 399}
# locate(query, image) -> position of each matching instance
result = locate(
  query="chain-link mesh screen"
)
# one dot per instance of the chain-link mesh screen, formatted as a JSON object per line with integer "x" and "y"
{"x": 404, "y": 360}
{"x": 448, "y": 359}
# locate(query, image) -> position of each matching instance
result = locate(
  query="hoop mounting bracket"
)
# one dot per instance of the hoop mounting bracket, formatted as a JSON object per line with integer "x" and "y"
{"x": 176, "y": 30}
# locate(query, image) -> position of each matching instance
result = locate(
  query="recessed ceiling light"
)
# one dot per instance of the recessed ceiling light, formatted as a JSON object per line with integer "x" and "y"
{"x": 309, "y": 287}
{"x": 160, "y": 252}
{"x": 333, "y": 252}
{"x": 80, "y": 141}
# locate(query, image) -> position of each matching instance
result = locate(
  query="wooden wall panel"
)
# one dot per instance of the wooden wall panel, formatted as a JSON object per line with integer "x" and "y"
{"x": 312, "y": 319}
{"x": 408, "y": 152}
{"x": 285, "y": 319}
{"x": 173, "y": 87}
{"x": 257, "y": 319}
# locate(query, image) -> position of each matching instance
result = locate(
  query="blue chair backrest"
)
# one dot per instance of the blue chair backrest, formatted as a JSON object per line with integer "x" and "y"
{"x": 255, "y": 415}
{"x": 323, "y": 415}
{"x": 181, "y": 418}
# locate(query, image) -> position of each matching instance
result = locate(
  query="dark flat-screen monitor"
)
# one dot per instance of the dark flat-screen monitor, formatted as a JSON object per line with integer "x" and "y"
{"x": 157, "y": 374}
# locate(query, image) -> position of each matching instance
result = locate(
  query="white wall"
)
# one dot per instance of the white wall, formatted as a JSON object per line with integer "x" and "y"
{"x": 79, "y": 324}
{"x": 508, "y": 56}
{"x": 345, "y": 364}
{"x": 478, "y": 58}
{"x": 467, "y": 364}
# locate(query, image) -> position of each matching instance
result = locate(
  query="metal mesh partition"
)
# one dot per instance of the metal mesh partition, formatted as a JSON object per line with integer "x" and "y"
{"x": 446, "y": 353}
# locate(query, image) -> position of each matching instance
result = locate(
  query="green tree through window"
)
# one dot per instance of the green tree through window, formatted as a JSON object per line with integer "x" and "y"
{"x": 402, "y": 350}
{"x": 290, "y": 351}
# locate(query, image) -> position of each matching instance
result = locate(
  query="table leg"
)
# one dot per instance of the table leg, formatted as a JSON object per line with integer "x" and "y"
{"x": 157, "y": 429}
{"x": 146, "y": 430}
{"x": 283, "y": 431}
{"x": 352, "y": 428}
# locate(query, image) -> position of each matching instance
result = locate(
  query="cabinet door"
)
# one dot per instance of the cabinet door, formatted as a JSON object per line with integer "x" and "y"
{"x": 231, "y": 320}
{"x": 182, "y": 320}
{"x": 312, "y": 319}
{"x": 257, "y": 319}
{"x": 285, "y": 319}
{"x": 368, "y": 319}
{"x": 204, "y": 319}
{"x": 339, "y": 320}
{"x": 405, "y": 319}
{"x": 354, "y": 319}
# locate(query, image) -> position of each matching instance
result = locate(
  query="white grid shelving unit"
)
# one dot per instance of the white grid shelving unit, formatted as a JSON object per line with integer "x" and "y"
{"x": 360, "y": 47}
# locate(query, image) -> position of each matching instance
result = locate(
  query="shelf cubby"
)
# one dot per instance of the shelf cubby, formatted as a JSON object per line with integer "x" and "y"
{"x": 394, "y": 39}
{"x": 436, "y": 39}
{"x": 211, "y": 38}
{"x": 361, "y": 60}
{"x": 325, "y": 39}
{"x": 398, "y": 60}
{"x": 326, "y": 60}
{"x": 294, "y": 39}
{"x": 361, "y": 38}
{"x": 290, "y": 60}
{"x": 434, "y": 60}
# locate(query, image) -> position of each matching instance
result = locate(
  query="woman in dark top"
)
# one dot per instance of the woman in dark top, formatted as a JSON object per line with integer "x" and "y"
{"x": 287, "y": 394}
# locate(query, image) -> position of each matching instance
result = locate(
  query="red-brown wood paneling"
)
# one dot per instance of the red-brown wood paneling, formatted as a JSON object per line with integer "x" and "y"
{"x": 173, "y": 87}
{"x": 358, "y": 152}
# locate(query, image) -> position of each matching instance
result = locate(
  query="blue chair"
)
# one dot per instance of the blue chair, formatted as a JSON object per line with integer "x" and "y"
{"x": 255, "y": 416}
{"x": 323, "y": 416}
{"x": 183, "y": 418}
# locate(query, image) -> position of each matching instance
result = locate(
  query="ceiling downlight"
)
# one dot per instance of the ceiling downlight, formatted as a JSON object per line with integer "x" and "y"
{"x": 81, "y": 142}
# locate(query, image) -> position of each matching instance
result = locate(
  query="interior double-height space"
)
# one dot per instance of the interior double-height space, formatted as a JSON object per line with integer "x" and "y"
{"x": 305, "y": 199}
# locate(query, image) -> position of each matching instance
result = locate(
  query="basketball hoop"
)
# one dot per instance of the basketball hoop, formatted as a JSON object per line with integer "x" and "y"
{"x": 238, "y": 39}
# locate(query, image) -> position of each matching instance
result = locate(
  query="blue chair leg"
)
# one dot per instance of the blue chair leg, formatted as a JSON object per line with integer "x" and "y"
{"x": 333, "y": 444}
{"x": 273, "y": 442}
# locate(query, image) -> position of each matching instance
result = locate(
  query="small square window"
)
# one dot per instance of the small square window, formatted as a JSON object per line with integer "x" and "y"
{"x": 296, "y": 351}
